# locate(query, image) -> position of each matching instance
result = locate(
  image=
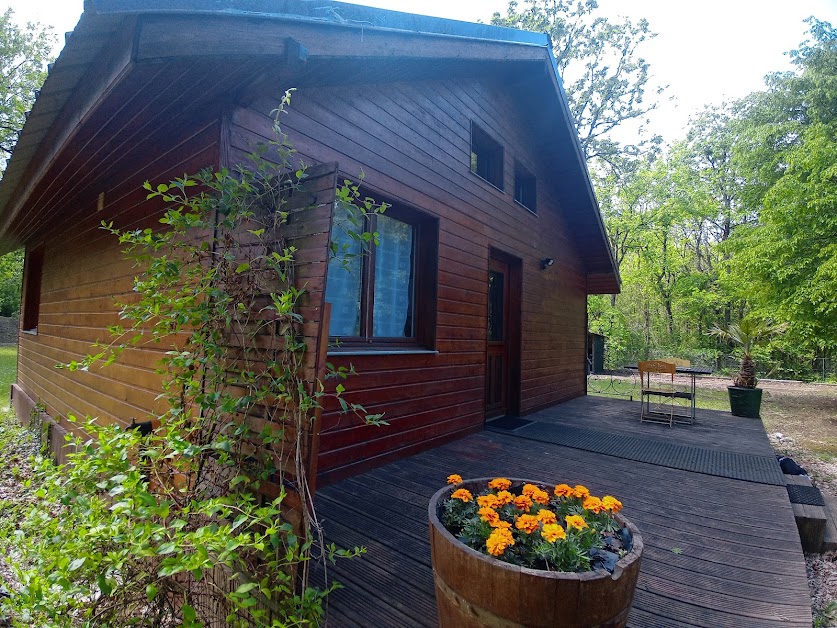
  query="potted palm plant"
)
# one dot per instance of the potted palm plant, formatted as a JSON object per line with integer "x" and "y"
{"x": 744, "y": 396}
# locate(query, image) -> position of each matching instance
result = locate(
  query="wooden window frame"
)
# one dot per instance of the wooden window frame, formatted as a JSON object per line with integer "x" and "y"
{"x": 31, "y": 302}
{"x": 425, "y": 278}
{"x": 525, "y": 187}
{"x": 487, "y": 157}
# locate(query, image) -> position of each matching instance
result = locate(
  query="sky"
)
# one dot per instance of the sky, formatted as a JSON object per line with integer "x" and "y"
{"x": 705, "y": 52}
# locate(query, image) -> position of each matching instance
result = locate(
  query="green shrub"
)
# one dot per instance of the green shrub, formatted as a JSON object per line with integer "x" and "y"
{"x": 209, "y": 514}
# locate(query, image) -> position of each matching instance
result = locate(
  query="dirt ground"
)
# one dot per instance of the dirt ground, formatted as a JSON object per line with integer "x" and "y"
{"x": 807, "y": 413}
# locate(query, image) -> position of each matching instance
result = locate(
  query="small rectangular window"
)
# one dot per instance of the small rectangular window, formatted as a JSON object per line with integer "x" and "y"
{"x": 525, "y": 187}
{"x": 486, "y": 157}
{"x": 31, "y": 306}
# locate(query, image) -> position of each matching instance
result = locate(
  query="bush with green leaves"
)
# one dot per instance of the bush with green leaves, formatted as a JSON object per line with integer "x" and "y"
{"x": 209, "y": 516}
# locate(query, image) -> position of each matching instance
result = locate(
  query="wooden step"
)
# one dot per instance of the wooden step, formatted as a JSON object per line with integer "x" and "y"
{"x": 811, "y": 521}
{"x": 800, "y": 480}
{"x": 830, "y": 540}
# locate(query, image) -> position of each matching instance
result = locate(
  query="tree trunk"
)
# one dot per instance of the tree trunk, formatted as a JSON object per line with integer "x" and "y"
{"x": 747, "y": 376}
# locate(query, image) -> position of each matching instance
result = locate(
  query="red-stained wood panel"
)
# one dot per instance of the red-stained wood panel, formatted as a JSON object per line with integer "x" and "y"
{"x": 85, "y": 273}
{"x": 411, "y": 140}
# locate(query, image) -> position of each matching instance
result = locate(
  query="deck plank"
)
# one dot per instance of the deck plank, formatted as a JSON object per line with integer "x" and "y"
{"x": 719, "y": 551}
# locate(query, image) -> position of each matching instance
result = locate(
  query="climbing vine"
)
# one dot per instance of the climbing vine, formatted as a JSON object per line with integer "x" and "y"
{"x": 203, "y": 513}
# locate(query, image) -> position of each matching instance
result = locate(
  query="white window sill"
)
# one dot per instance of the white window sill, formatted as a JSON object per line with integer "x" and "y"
{"x": 31, "y": 332}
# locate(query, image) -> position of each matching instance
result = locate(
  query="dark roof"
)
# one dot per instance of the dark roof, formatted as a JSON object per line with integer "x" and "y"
{"x": 101, "y": 18}
{"x": 324, "y": 11}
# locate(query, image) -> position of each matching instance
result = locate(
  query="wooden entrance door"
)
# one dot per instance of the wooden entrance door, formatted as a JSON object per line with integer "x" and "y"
{"x": 502, "y": 371}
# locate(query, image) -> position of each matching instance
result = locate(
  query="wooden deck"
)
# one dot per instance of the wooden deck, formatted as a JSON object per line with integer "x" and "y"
{"x": 718, "y": 551}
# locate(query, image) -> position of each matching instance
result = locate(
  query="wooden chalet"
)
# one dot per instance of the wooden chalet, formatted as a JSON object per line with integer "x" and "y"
{"x": 474, "y": 304}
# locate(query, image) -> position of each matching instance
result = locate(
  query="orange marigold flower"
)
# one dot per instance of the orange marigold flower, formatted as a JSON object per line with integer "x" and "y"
{"x": 504, "y": 497}
{"x": 541, "y": 497}
{"x": 529, "y": 489}
{"x": 611, "y": 503}
{"x": 488, "y": 501}
{"x": 527, "y": 523}
{"x": 563, "y": 490}
{"x": 593, "y": 504}
{"x": 522, "y": 502}
{"x": 581, "y": 491}
{"x": 553, "y": 532}
{"x": 546, "y": 516}
{"x": 501, "y": 484}
{"x": 454, "y": 478}
{"x": 576, "y": 521}
{"x": 500, "y": 524}
{"x": 498, "y": 541}
{"x": 488, "y": 514}
{"x": 463, "y": 494}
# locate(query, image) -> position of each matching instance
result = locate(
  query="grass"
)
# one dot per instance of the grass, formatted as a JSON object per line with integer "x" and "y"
{"x": 8, "y": 370}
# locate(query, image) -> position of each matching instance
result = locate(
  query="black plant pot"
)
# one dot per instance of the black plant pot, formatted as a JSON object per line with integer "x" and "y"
{"x": 745, "y": 401}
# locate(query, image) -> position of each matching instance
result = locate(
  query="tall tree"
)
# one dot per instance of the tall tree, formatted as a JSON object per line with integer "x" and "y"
{"x": 598, "y": 59}
{"x": 788, "y": 260}
{"x": 24, "y": 53}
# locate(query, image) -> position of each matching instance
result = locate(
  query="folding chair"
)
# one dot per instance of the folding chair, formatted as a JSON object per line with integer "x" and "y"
{"x": 657, "y": 380}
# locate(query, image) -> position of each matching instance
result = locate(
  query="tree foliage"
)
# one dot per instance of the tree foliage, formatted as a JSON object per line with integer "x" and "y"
{"x": 11, "y": 273}
{"x": 738, "y": 221}
{"x": 24, "y": 53}
{"x": 788, "y": 258}
{"x": 604, "y": 75}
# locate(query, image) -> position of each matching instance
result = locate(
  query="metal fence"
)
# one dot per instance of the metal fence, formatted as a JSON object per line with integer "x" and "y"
{"x": 625, "y": 383}
{"x": 825, "y": 369}
{"x": 620, "y": 383}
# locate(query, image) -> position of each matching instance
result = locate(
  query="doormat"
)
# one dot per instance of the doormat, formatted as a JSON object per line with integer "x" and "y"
{"x": 507, "y": 424}
{"x": 747, "y": 467}
{"x": 805, "y": 495}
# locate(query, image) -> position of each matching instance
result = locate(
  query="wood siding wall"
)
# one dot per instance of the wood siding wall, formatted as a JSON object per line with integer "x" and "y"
{"x": 85, "y": 272}
{"x": 412, "y": 142}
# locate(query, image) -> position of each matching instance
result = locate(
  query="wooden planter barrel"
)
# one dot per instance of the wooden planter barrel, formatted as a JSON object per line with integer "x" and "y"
{"x": 474, "y": 589}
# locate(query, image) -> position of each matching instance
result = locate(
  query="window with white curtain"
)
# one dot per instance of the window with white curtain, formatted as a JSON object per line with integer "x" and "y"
{"x": 375, "y": 291}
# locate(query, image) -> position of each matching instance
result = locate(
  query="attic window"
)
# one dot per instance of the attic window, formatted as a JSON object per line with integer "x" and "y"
{"x": 525, "y": 187}
{"x": 31, "y": 305}
{"x": 486, "y": 157}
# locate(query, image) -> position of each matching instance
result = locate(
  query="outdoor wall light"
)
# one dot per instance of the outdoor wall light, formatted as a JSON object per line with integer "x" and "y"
{"x": 546, "y": 263}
